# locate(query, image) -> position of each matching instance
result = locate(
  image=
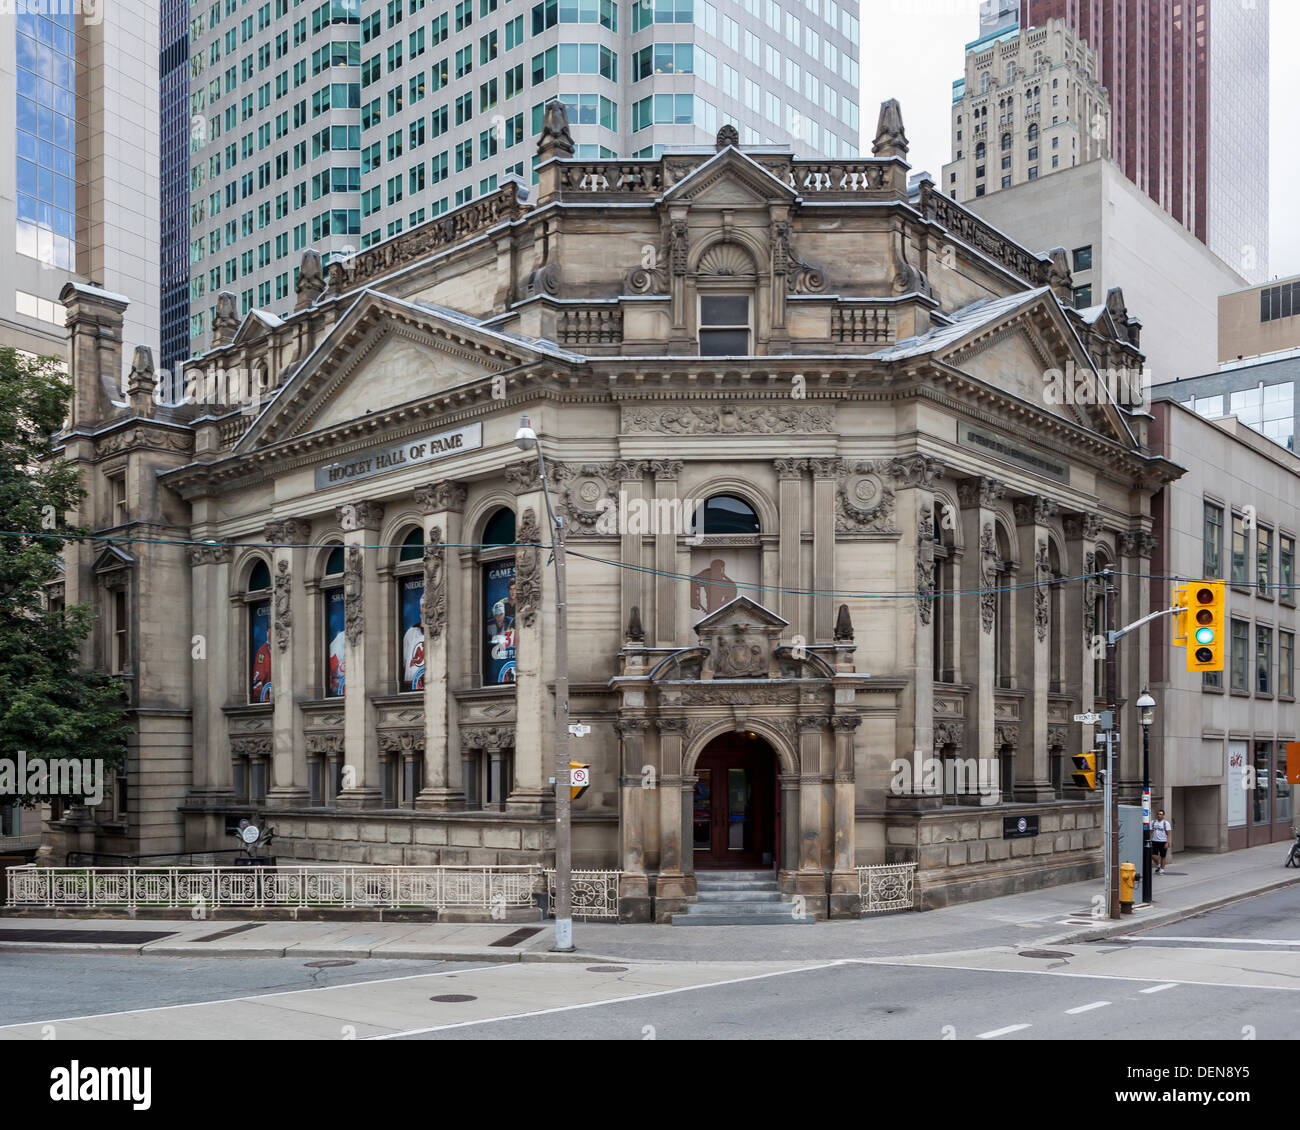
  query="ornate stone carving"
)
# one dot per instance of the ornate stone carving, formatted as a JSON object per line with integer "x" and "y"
{"x": 635, "y": 631}
{"x": 864, "y": 503}
{"x": 401, "y": 741}
{"x": 980, "y": 491}
{"x": 1136, "y": 543}
{"x": 590, "y": 497}
{"x": 914, "y": 470}
{"x": 948, "y": 734}
{"x": 625, "y": 726}
{"x": 433, "y": 606}
{"x": 925, "y": 562}
{"x": 353, "y": 613}
{"x": 325, "y": 744}
{"x": 1034, "y": 510}
{"x": 670, "y": 725}
{"x": 846, "y": 722}
{"x": 283, "y": 613}
{"x": 528, "y": 569}
{"x": 487, "y": 737}
{"x": 727, "y": 135}
{"x": 789, "y": 468}
{"x": 1057, "y": 737}
{"x": 800, "y": 277}
{"x": 1082, "y": 526}
{"x": 555, "y": 139}
{"x": 524, "y": 476}
{"x": 1006, "y": 735}
{"x": 1091, "y": 590}
{"x": 814, "y": 723}
{"x": 446, "y": 494}
{"x": 1042, "y": 593}
{"x": 721, "y": 694}
{"x": 739, "y": 654}
{"x": 760, "y": 419}
{"x": 311, "y": 279}
{"x": 678, "y": 246}
{"x": 665, "y": 468}
{"x": 209, "y": 554}
{"x": 359, "y": 515}
{"x": 891, "y": 138}
{"x": 988, "y": 576}
{"x": 251, "y": 747}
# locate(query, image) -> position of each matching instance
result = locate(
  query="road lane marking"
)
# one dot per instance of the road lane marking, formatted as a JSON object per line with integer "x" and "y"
{"x": 1160, "y": 988}
{"x": 1086, "y": 976}
{"x": 1086, "y": 1008}
{"x": 1218, "y": 941}
{"x": 611, "y": 1000}
{"x": 1002, "y": 1031}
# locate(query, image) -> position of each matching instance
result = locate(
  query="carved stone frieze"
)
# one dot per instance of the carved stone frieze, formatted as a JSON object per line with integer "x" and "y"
{"x": 446, "y": 494}
{"x": 846, "y": 722}
{"x": 980, "y": 491}
{"x": 913, "y": 470}
{"x": 524, "y": 476}
{"x": 864, "y": 501}
{"x": 1034, "y": 510}
{"x": 528, "y": 569}
{"x": 325, "y": 744}
{"x": 1006, "y": 736}
{"x": 740, "y": 654}
{"x": 251, "y": 747}
{"x": 722, "y": 694}
{"x": 1136, "y": 543}
{"x": 359, "y": 515}
{"x": 487, "y": 737}
{"x": 401, "y": 741}
{"x": 1084, "y": 527}
{"x": 283, "y": 612}
{"x": 209, "y": 554}
{"x": 353, "y": 613}
{"x": 1057, "y": 737}
{"x": 948, "y": 734}
{"x": 758, "y": 419}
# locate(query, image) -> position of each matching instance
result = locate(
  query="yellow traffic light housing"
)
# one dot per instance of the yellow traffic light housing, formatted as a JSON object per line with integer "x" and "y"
{"x": 1206, "y": 625}
{"x": 1180, "y": 617}
{"x": 1085, "y": 769}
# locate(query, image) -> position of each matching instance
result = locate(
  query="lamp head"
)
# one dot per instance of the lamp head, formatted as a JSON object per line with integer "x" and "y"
{"x": 525, "y": 437}
{"x": 1147, "y": 705}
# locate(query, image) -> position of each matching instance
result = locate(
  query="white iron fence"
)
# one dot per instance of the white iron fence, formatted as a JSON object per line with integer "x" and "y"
{"x": 474, "y": 888}
{"x": 886, "y": 886}
{"x": 594, "y": 894}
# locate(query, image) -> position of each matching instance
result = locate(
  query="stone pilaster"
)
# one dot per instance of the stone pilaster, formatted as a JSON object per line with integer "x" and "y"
{"x": 366, "y": 636}
{"x": 825, "y": 477}
{"x": 290, "y": 662}
{"x": 789, "y": 487}
{"x": 634, "y": 886}
{"x": 1033, "y": 780}
{"x": 535, "y": 646}
{"x": 811, "y": 880}
{"x": 979, "y": 662}
{"x": 844, "y": 879}
{"x": 210, "y": 580}
{"x": 668, "y": 559}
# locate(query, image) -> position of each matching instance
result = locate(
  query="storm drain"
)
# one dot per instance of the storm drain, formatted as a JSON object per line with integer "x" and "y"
{"x": 453, "y": 998}
{"x": 228, "y": 933}
{"x": 517, "y": 936}
{"x": 606, "y": 968}
{"x": 1044, "y": 953}
{"x": 87, "y": 937}
{"x": 332, "y": 963}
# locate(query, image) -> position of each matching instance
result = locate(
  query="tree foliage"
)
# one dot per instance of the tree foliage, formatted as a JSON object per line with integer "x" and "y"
{"x": 49, "y": 705}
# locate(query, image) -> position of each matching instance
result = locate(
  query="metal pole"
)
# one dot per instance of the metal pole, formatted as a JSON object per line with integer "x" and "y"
{"x": 1146, "y": 813}
{"x": 563, "y": 821}
{"x": 1112, "y": 756}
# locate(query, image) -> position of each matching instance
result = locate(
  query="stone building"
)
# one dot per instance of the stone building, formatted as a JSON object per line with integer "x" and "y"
{"x": 832, "y": 463}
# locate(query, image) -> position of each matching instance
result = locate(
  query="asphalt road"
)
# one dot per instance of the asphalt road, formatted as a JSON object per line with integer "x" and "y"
{"x": 1229, "y": 974}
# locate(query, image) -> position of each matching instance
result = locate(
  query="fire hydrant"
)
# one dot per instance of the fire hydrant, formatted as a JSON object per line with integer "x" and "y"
{"x": 1127, "y": 878}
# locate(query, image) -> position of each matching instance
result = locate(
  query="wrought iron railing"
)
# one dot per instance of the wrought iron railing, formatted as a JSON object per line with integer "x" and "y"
{"x": 476, "y": 888}
{"x": 594, "y": 894}
{"x": 887, "y": 886}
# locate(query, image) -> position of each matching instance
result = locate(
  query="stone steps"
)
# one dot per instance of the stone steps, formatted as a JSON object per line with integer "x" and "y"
{"x": 738, "y": 898}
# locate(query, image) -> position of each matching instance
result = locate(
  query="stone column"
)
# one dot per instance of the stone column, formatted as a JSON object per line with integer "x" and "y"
{"x": 634, "y": 886}
{"x": 789, "y": 488}
{"x": 290, "y": 663}
{"x": 667, "y": 559}
{"x": 1033, "y": 657}
{"x": 535, "y": 644}
{"x": 671, "y": 787}
{"x": 365, "y": 651}
{"x": 824, "y": 473}
{"x": 979, "y": 666}
{"x": 210, "y": 573}
{"x": 443, "y": 504}
{"x": 811, "y": 880}
{"x": 844, "y": 879}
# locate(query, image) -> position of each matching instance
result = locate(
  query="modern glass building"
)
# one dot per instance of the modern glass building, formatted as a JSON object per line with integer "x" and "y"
{"x": 78, "y": 181}
{"x": 341, "y": 124}
{"x": 174, "y": 174}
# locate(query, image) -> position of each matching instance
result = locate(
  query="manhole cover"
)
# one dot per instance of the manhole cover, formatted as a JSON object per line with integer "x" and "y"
{"x": 606, "y": 968}
{"x": 327, "y": 964}
{"x": 453, "y": 998}
{"x": 1044, "y": 953}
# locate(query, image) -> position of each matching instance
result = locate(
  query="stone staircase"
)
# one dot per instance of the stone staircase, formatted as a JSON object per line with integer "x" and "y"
{"x": 738, "y": 898}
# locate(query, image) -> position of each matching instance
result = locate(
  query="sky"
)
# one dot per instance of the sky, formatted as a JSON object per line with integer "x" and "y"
{"x": 913, "y": 50}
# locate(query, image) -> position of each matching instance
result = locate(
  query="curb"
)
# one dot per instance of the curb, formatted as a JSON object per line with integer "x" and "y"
{"x": 1131, "y": 925}
{"x": 175, "y": 949}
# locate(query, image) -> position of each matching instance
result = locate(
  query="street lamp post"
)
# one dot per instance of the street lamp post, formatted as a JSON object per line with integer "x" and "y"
{"x": 1146, "y": 704}
{"x": 526, "y": 439}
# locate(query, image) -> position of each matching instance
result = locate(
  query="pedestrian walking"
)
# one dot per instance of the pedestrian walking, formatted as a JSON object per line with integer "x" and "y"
{"x": 1160, "y": 830}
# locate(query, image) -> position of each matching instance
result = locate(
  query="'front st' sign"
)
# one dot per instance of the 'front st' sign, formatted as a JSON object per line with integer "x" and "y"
{"x": 422, "y": 449}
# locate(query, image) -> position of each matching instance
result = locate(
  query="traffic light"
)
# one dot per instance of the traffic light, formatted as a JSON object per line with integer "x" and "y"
{"x": 1206, "y": 613}
{"x": 1085, "y": 769}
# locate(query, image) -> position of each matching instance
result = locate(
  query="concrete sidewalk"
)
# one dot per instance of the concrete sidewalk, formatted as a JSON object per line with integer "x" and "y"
{"x": 1195, "y": 883}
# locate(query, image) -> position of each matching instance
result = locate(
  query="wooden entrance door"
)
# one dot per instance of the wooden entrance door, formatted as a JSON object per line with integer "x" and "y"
{"x": 733, "y": 810}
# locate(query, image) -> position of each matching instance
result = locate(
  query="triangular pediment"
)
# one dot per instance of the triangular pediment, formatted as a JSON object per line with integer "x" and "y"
{"x": 381, "y": 354}
{"x": 730, "y": 179}
{"x": 112, "y": 559}
{"x": 741, "y": 613}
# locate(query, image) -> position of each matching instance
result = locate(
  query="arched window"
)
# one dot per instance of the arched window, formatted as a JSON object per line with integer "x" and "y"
{"x": 979, "y": 151}
{"x": 985, "y": 79}
{"x": 944, "y": 605}
{"x": 335, "y": 651}
{"x": 1054, "y": 621}
{"x": 725, "y": 558}
{"x": 1033, "y": 131}
{"x": 497, "y": 578}
{"x": 259, "y": 633}
{"x": 1003, "y": 622}
{"x": 409, "y": 579}
{"x": 1006, "y": 142}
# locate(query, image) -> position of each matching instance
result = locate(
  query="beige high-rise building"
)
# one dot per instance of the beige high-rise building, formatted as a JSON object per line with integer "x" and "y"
{"x": 1030, "y": 104}
{"x": 1259, "y": 320}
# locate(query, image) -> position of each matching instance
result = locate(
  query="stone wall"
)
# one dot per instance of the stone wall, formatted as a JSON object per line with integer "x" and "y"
{"x": 471, "y": 839}
{"x": 961, "y": 854}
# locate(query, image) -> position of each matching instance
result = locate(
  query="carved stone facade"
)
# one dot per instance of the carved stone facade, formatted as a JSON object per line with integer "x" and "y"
{"x": 417, "y": 682}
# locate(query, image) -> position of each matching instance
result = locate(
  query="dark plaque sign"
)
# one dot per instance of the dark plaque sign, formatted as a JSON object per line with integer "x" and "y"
{"x": 1018, "y": 827}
